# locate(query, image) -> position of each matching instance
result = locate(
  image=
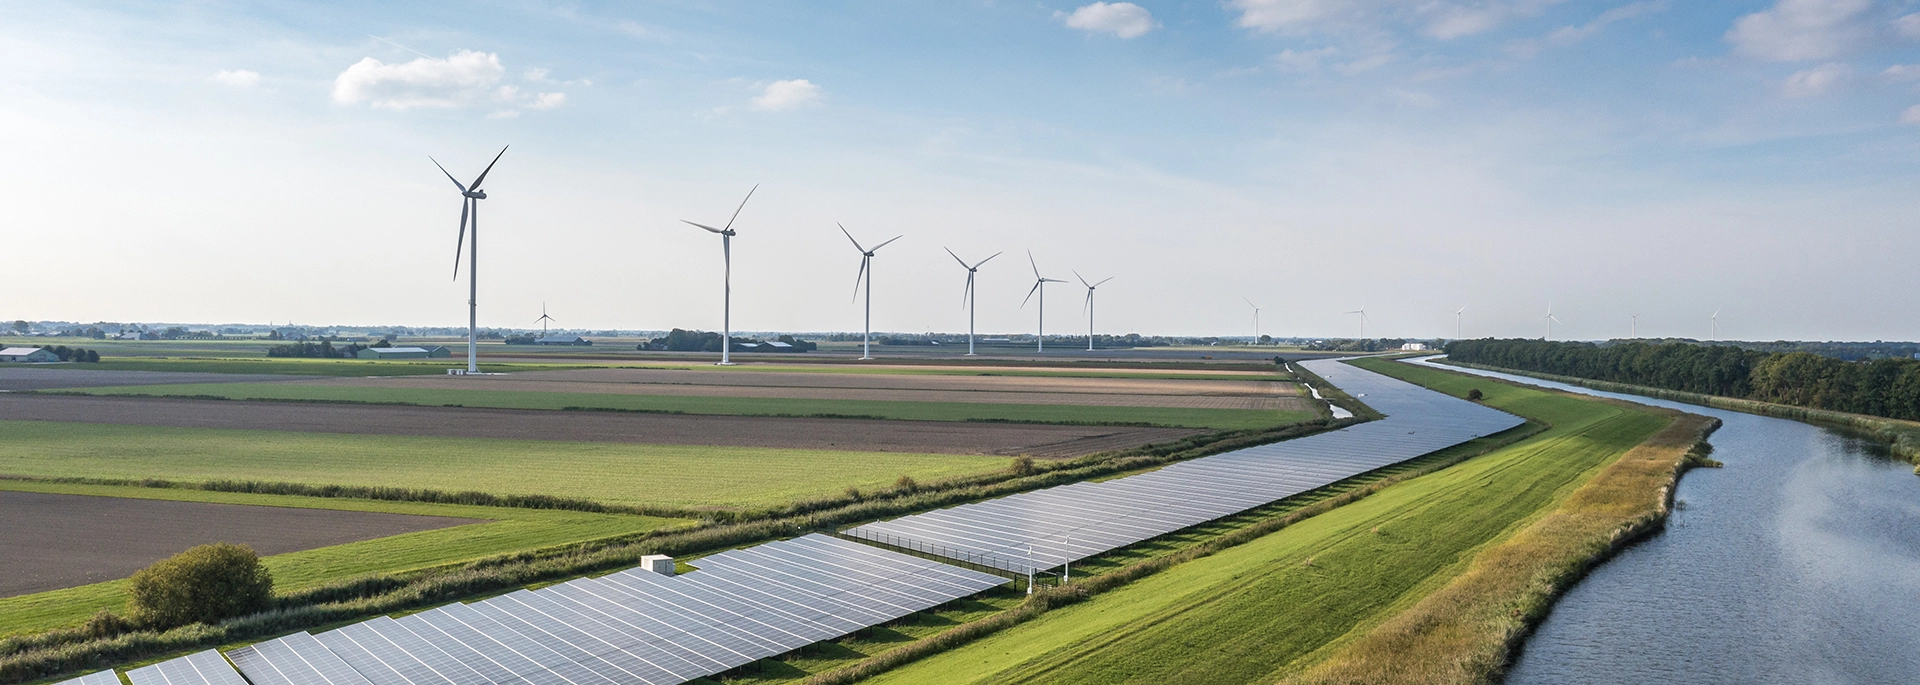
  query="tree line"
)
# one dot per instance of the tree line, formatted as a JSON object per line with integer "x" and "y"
{"x": 72, "y": 354}
{"x": 1886, "y": 387}
{"x": 321, "y": 350}
{"x": 681, "y": 340}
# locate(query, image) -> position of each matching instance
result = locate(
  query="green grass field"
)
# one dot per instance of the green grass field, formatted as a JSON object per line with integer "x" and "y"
{"x": 1218, "y": 419}
{"x": 508, "y": 530}
{"x": 1256, "y": 612}
{"x": 302, "y": 367}
{"x": 608, "y": 472}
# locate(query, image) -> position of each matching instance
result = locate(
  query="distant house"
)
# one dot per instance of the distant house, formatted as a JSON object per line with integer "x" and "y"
{"x": 563, "y": 340}
{"x": 1413, "y": 347}
{"x": 404, "y": 353}
{"x": 775, "y": 344}
{"x": 28, "y": 355}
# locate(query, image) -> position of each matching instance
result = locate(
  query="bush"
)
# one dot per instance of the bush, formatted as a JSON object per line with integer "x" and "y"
{"x": 201, "y": 585}
{"x": 1023, "y": 466}
{"x": 1475, "y": 394}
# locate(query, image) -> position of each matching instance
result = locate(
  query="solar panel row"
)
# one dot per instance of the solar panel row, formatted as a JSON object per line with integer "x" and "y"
{"x": 202, "y": 668}
{"x": 106, "y": 677}
{"x": 629, "y": 627}
{"x": 1044, "y": 529}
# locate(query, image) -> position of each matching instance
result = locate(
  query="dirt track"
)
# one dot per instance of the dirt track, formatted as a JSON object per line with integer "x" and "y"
{"x": 1100, "y": 392}
{"x": 16, "y": 377}
{"x": 53, "y": 541}
{"x": 930, "y": 437}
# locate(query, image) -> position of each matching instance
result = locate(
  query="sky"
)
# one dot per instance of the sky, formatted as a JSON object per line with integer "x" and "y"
{"x": 254, "y": 162}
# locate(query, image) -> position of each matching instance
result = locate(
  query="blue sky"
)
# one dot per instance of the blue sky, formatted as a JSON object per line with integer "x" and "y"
{"x": 253, "y": 162}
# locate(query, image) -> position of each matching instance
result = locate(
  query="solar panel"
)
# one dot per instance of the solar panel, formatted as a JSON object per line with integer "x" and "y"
{"x": 296, "y": 659}
{"x": 200, "y": 668}
{"x": 1043, "y": 529}
{"x": 106, "y": 677}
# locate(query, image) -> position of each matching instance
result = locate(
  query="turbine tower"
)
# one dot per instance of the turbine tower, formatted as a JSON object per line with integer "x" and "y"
{"x": 470, "y": 195}
{"x": 1039, "y": 286}
{"x": 1088, "y": 309}
{"x": 1256, "y": 319}
{"x": 966, "y": 297}
{"x": 866, "y": 273}
{"x": 1550, "y": 321}
{"x": 543, "y": 320}
{"x": 1460, "y": 323}
{"x": 1362, "y": 311}
{"x": 1713, "y": 325}
{"x": 1636, "y": 326}
{"x": 726, "y": 297}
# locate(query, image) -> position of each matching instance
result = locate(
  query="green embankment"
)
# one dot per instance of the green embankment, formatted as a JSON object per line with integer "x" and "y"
{"x": 1217, "y": 419}
{"x": 506, "y": 530}
{"x": 609, "y": 472}
{"x": 303, "y": 367}
{"x": 1256, "y": 612}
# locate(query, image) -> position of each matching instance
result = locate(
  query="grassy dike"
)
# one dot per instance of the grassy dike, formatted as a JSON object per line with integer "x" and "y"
{"x": 1278, "y": 604}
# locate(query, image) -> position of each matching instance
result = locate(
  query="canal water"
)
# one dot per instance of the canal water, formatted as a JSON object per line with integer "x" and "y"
{"x": 1798, "y": 562}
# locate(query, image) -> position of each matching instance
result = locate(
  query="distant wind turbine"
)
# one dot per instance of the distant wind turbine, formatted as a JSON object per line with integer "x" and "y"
{"x": 1550, "y": 321}
{"x": 966, "y": 296}
{"x": 1460, "y": 323}
{"x": 1039, "y": 286}
{"x": 543, "y": 320}
{"x": 866, "y": 273}
{"x": 1713, "y": 325}
{"x": 726, "y": 297}
{"x": 1256, "y": 319}
{"x": 1088, "y": 309}
{"x": 471, "y": 195}
{"x": 1636, "y": 325}
{"x": 1362, "y": 311}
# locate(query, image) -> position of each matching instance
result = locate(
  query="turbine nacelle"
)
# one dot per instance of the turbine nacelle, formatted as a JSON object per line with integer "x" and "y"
{"x": 476, "y": 194}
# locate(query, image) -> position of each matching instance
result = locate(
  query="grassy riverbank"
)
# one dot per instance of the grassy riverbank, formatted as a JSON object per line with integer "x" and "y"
{"x": 1283, "y": 602}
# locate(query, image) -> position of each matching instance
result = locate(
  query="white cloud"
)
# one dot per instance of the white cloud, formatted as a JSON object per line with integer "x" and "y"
{"x": 1279, "y": 15}
{"x": 1911, "y": 117}
{"x": 548, "y": 101}
{"x": 462, "y": 78}
{"x": 1908, "y": 26}
{"x": 1304, "y": 60}
{"x": 1438, "y": 19}
{"x": 1795, "y": 30}
{"x": 1123, "y": 19}
{"x": 1816, "y": 81}
{"x": 538, "y": 75}
{"x": 237, "y": 78}
{"x": 787, "y": 95}
{"x": 1902, "y": 72}
{"x": 1569, "y": 35}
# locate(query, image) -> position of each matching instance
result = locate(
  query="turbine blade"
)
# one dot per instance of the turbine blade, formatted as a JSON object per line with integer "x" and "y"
{"x": 483, "y": 174}
{"x": 963, "y": 263}
{"x": 876, "y": 248}
{"x": 1089, "y": 304}
{"x": 1103, "y": 281}
{"x": 856, "y": 243}
{"x": 460, "y": 246}
{"x": 1083, "y": 279}
{"x": 1036, "y": 288}
{"x": 1034, "y": 264}
{"x": 989, "y": 257}
{"x": 1250, "y": 303}
{"x": 743, "y": 205}
{"x": 968, "y": 292}
{"x": 710, "y": 228}
{"x": 857, "y": 277}
{"x": 456, "y": 182}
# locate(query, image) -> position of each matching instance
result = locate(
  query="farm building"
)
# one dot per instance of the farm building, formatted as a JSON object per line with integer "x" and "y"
{"x": 28, "y": 354}
{"x": 404, "y": 353}
{"x": 563, "y": 340}
{"x": 1413, "y": 347}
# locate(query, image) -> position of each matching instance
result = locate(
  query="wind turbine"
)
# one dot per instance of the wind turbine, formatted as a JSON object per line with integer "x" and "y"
{"x": 966, "y": 297}
{"x": 1550, "y": 321}
{"x": 543, "y": 320}
{"x": 1256, "y": 319}
{"x": 1362, "y": 311}
{"x": 1460, "y": 323}
{"x": 1089, "y": 306}
{"x": 1039, "y": 286}
{"x": 866, "y": 267}
{"x": 471, "y": 195}
{"x": 726, "y": 298}
{"x": 1636, "y": 326}
{"x": 1713, "y": 325}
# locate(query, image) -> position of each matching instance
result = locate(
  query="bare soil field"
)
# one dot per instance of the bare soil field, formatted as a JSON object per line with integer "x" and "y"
{"x": 925, "y": 437}
{"x": 53, "y": 541}
{"x": 1098, "y": 392}
{"x": 17, "y": 377}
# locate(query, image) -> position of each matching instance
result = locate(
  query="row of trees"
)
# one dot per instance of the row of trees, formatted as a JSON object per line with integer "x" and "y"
{"x": 321, "y": 350}
{"x": 73, "y": 354}
{"x": 1887, "y": 387}
{"x": 681, "y": 340}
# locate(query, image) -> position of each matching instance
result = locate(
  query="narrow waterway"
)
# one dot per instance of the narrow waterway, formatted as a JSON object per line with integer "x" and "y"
{"x": 1799, "y": 562}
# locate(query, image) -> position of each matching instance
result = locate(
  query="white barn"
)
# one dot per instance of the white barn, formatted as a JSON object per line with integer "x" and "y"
{"x": 28, "y": 354}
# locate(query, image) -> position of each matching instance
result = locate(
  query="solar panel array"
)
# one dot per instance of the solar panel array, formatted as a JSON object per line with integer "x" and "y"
{"x": 101, "y": 678}
{"x": 202, "y": 668}
{"x": 1044, "y": 529}
{"x": 629, "y": 627}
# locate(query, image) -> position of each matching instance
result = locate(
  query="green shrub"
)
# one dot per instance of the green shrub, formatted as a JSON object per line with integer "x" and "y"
{"x": 201, "y": 585}
{"x": 1475, "y": 394}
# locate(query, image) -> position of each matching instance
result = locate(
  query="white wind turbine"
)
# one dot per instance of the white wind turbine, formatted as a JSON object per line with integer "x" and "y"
{"x": 543, "y": 320}
{"x": 1256, "y": 319}
{"x": 1039, "y": 286}
{"x": 471, "y": 195}
{"x": 1362, "y": 311}
{"x": 726, "y": 297}
{"x": 1713, "y": 325}
{"x": 1549, "y": 318}
{"x": 1636, "y": 325}
{"x": 866, "y": 273}
{"x": 1460, "y": 323}
{"x": 967, "y": 297}
{"x": 1088, "y": 309}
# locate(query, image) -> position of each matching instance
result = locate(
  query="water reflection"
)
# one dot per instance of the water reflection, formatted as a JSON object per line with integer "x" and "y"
{"x": 1799, "y": 562}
